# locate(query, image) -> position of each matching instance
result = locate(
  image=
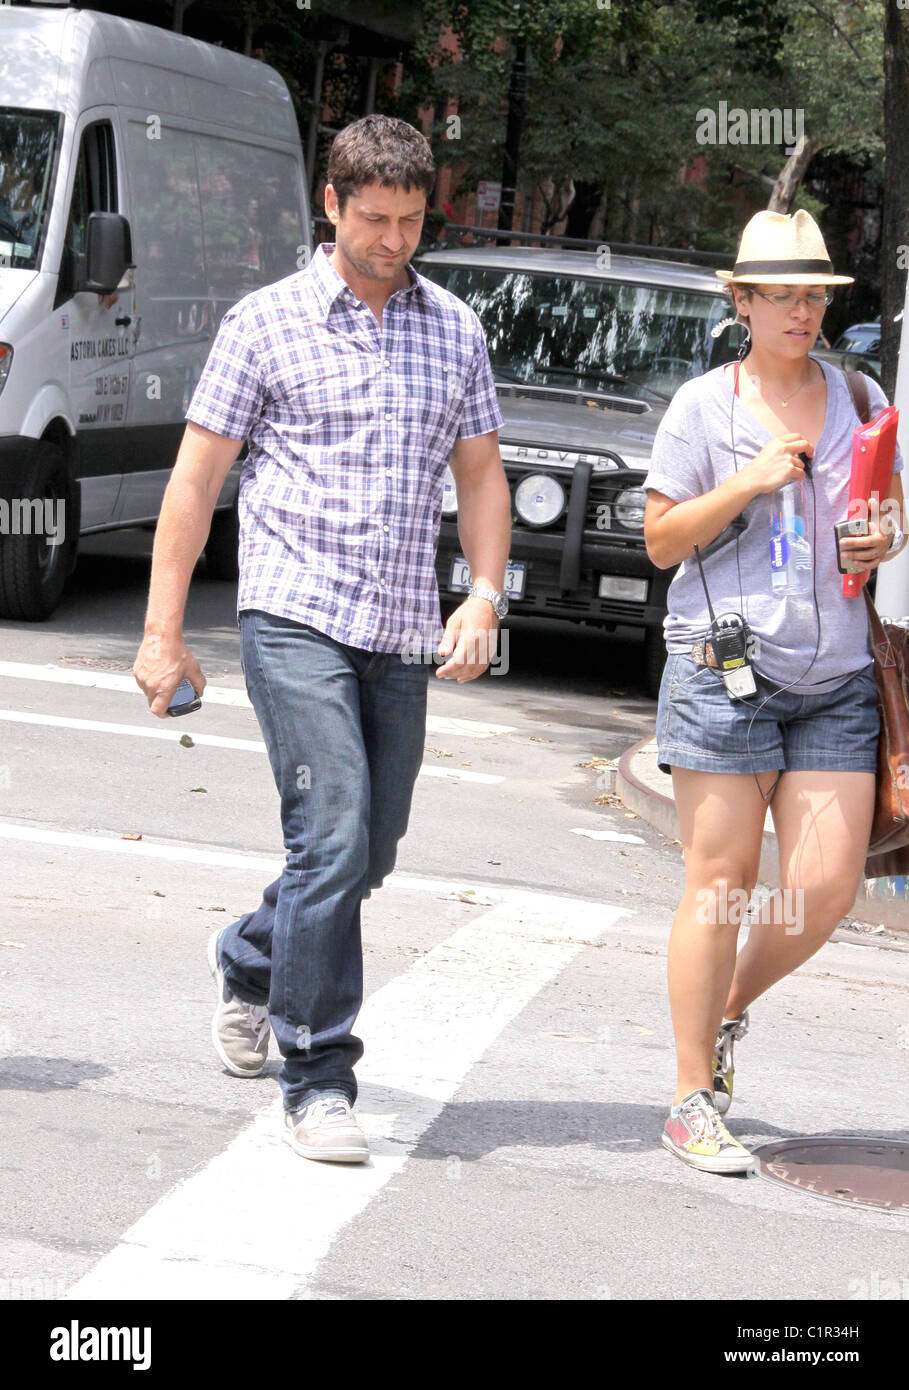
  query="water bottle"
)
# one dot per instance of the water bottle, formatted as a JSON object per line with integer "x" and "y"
{"x": 790, "y": 552}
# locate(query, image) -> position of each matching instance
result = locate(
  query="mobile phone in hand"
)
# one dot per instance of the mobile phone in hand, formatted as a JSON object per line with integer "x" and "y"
{"x": 184, "y": 699}
{"x": 857, "y": 526}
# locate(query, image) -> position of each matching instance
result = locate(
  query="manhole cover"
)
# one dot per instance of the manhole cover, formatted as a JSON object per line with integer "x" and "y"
{"x": 854, "y": 1172}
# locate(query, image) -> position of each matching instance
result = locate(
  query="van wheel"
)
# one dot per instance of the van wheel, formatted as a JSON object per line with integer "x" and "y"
{"x": 654, "y": 660}
{"x": 223, "y": 545}
{"x": 33, "y": 573}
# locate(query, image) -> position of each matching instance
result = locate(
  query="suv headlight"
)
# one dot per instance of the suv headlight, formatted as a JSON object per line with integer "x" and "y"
{"x": 6, "y": 361}
{"x": 629, "y": 508}
{"x": 449, "y": 493}
{"x": 539, "y": 499}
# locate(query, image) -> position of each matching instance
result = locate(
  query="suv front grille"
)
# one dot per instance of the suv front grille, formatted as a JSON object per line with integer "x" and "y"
{"x": 604, "y": 489}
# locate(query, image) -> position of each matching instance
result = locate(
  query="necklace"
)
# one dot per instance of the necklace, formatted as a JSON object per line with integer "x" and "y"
{"x": 783, "y": 403}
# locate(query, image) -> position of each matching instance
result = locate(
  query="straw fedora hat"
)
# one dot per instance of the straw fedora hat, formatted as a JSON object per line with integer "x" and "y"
{"x": 779, "y": 249}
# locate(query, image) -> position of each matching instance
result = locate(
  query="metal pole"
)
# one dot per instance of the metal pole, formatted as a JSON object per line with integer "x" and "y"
{"x": 316, "y": 115}
{"x": 517, "y": 96}
{"x": 374, "y": 65}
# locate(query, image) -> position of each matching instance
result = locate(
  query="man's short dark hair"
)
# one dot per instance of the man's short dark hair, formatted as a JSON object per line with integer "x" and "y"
{"x": 379, "y": 149}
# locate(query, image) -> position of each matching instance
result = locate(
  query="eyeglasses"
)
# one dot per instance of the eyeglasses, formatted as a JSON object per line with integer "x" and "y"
{"x": 788, "y": 299}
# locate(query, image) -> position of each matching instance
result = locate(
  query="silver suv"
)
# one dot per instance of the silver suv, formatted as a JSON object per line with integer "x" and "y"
{"x": 587, "y": 350}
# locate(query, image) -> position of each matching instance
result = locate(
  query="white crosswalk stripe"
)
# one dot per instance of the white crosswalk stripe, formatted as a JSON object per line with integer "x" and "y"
{"x": 214, "y": 695}
{"x": 257, "y": 1221}
{"x": 171, "y": 734}
{"x": 170, "y": 731}
{"x": 425, "y": 1030}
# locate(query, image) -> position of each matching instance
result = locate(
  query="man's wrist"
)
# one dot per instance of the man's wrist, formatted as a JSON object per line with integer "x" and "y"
{"x": 481, "y": 598}
{"x": 167, "y": 628}
{"x": 489, "y": 593}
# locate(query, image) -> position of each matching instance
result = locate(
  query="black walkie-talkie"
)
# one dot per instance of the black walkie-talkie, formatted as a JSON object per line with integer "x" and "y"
{"x": 729, "y": 638}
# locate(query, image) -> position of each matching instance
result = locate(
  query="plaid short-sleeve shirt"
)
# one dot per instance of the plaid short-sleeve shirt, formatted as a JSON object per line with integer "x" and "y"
{"x": 350, "y": 427}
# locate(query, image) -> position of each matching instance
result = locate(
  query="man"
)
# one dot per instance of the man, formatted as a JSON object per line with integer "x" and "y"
{"x": 356, "y": 382}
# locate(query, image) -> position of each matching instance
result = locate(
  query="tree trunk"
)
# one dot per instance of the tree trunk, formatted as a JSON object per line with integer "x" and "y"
{"x": 548, "y": 193}
{"x": 895, "y": 230}
{"x": 628, "y": 231}
{"x": 180, "y": 8}
{"x": 558, "y": 198}
{"x": 791, "y": 174}
{"x": 598, "y": 221}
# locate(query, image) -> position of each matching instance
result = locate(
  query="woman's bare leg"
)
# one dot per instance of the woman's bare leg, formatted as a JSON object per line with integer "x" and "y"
{"x": 822, "y": 822}
{"x": 721, "y": 818}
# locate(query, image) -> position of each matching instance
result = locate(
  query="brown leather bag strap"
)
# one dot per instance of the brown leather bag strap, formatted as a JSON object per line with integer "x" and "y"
{"x": 881, "y": 644}
{"x": 858, "y": 386}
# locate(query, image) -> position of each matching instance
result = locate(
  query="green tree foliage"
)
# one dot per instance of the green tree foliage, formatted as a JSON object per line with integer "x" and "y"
{"x": 614, "y": 96}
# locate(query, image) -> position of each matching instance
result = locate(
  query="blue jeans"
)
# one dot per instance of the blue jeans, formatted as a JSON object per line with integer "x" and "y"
{"x": 344, "y": 729}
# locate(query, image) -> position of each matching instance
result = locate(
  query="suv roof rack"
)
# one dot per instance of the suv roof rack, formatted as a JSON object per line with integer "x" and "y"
{"x": 452, "y": 231}
{"x": 447, "y": 239}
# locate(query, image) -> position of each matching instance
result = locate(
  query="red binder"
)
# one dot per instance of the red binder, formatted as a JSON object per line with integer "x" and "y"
{"x": 873, "y": 452}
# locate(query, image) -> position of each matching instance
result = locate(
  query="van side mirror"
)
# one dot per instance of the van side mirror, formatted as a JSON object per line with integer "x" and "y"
{"x": 108, "y": 253}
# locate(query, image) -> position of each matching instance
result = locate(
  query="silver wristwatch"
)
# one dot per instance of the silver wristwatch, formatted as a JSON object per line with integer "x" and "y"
{"x": 896, "y": 541}
{"x": 498, "y": 601}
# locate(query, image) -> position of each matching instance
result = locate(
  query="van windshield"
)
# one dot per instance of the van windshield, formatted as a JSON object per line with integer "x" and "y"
{"x": 594, "y": 336}
{"x": 27, "y": 144}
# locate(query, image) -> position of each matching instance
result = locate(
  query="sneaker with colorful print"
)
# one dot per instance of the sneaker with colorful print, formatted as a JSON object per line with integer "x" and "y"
{"x": 695, "y": 1133}
{"x": 731, "y": 1029}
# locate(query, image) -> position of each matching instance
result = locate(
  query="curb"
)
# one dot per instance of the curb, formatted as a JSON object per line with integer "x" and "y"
{"x": 659, "y": 811}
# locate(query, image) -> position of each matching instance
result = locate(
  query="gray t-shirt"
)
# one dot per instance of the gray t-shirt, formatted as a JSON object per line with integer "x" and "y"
{"x": 692, "y": 454}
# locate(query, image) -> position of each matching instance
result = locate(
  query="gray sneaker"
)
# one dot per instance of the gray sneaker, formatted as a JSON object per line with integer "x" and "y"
{"x": 695, "y": 1133}
{"x": 723, "y": 1070}
{"x": 239, "y": 1031}
{"x": 326, "y": 1128}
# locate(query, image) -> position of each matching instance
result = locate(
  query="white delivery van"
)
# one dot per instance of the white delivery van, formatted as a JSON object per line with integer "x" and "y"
{"x": 147, "y": 182}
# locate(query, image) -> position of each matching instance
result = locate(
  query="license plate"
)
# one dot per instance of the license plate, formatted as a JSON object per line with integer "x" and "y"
{"x": 460, "y": 581}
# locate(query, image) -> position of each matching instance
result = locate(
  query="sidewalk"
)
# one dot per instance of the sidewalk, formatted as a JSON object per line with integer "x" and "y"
{"x": 646, "y": 790}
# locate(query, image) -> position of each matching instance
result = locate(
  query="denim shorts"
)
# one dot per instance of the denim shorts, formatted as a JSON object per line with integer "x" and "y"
{"x": 700, "y": 727}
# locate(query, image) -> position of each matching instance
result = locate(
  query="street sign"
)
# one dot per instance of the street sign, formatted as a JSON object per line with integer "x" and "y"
{"x": 489, "y": 196}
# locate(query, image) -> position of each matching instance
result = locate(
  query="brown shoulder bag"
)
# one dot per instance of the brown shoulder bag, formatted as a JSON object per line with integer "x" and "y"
{"x": 888, "y": 848}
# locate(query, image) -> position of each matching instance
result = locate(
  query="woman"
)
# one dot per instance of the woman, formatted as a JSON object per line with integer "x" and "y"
{"x": 806, "y": 739}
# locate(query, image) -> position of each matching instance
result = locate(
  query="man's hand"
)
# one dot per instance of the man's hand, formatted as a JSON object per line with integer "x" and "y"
{"x": 162, "y": 662}
{"x": 468, "y": 640}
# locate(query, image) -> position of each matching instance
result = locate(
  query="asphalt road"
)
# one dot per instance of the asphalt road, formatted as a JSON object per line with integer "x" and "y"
{"x": 518, "y": 1042}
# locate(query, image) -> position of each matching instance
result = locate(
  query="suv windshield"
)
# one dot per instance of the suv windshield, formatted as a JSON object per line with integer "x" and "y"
{"x": 27, "y": 144}
{"x": 598, "y": 336}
